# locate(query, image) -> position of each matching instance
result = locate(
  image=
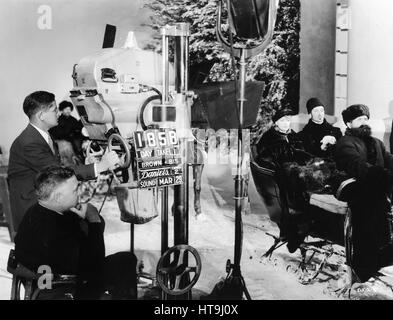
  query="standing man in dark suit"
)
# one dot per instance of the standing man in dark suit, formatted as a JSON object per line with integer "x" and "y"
{"x": 34, "y": 149}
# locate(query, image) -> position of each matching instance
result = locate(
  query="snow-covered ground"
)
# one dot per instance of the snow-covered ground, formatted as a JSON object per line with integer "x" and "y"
{"x": 213, "y": 237}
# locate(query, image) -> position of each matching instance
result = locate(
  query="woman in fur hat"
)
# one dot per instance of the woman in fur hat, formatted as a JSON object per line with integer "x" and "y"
{"x": 280, "y": 143}
{"x": 281, "y": 146}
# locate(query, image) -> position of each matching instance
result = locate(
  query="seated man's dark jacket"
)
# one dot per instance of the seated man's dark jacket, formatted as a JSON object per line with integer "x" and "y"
{"x": 366, "y": 160}
{"x": 353, "y": 156}
{"x": 66, "y": 243}
{"x": 312, "y": 134}
{"x": 68, "y": 128}
{"x": 30, "y": 154}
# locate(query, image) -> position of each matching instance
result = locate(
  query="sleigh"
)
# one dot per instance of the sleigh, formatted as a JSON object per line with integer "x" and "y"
{"x": 324, "y": 217}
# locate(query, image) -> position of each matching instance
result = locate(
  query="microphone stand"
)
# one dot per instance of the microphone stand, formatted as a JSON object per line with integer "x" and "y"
{"x": 234, "y": 281}
{"x": 235, "y": 276}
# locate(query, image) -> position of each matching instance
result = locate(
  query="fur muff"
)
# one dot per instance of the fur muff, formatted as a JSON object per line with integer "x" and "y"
{"x": 317, "y": 175}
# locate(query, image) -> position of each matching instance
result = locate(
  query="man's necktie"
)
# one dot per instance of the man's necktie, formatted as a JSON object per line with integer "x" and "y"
{"x": 51, "y": 145}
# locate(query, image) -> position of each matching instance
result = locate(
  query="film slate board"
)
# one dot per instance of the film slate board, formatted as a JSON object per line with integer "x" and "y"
{"x": 159, "y": 162}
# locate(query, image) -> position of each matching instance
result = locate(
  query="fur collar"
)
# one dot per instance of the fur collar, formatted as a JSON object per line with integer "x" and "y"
{"x": 364, "y": 134}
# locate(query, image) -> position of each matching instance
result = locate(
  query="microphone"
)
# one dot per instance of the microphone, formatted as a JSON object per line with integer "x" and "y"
{"x": 249, "y": 19}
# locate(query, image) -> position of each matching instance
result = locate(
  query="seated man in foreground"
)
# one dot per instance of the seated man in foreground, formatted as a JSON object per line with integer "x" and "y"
{"x": 54, "y": 233}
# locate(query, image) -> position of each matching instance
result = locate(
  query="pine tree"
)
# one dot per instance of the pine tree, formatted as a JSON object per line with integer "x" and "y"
{"x": 277, "y": 66}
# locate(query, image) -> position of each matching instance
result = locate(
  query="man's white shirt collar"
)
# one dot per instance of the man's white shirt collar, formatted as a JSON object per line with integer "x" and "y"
{"x": 43, "y": 133}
